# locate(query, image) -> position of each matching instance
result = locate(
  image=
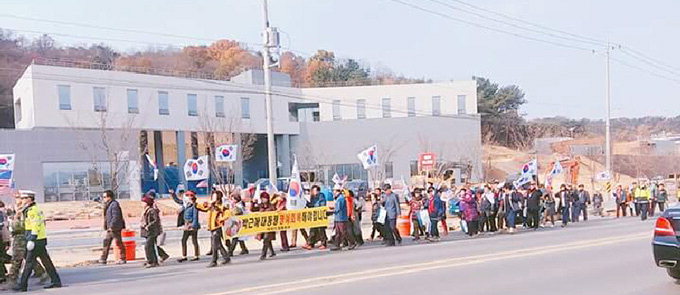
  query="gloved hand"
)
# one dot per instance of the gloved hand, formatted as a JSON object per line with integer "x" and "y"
{"x": 30, "y": 245}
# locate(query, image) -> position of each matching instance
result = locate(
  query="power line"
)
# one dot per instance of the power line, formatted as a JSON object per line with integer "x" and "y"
{"x": 547, "y": 33}
{"x": 491, "y": 28}
{"x": 582, "y": 37}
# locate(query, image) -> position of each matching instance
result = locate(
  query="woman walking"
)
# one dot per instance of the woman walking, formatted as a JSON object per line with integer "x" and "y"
{"x": 265, "y": 206}
{"x": 470, "y": 213}
{"x": 415, "y": 205}
{"x": 190, "y": 227}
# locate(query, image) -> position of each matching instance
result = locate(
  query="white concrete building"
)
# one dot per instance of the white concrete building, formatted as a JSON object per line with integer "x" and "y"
{"x": 169, "y": 116}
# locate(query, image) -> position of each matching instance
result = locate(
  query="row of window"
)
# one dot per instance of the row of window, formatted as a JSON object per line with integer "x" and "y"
{"x": 100, "y": 103}
{"x": 386, "y": 107}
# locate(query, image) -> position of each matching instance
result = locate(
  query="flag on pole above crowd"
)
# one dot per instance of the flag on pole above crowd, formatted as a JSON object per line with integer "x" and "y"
{"x": 226, "y": 153}
{"x": 522, "y": 180}
{"x": 369, "y": 157}
{"x": 153, "y": 165}
{"x": 196, "y": 169}
{"x": 530, "y": 168}
{"x": 557, "y": 168}
{"x": 7, "y": 162}
{"x": 603, "y": 176}
{"x": 295, "y": 199}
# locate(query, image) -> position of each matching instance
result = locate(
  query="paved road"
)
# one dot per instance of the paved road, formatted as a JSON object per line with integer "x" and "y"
{"x": 599, "y": 257}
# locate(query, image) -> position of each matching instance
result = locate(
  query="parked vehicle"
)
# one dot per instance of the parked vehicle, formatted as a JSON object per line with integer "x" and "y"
{"x": 666, "y": 242}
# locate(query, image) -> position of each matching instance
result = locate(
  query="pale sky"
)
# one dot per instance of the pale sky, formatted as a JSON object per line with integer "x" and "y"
{"x": 386, "y": 34}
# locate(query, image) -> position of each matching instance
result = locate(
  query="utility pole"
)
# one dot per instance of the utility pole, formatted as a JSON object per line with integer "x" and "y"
{"x": 607, "y": 123}
{"x": 271, "y": 40}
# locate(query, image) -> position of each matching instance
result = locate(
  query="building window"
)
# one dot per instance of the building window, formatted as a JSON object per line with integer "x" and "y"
{"x": 192, "y": 105}
{"x": 245, "y": 108}
{"x": 436, "y": 106}
{"x": 461, "y": 104}
{"x": 389, "y": 170}
{"x": 336, "y": 110}
{"x": 411, "y": 102}
{"x": 219, "y": 106}
{"x": 133, "y": 101}
{"x": 163, "y": 103}
{"x": 361, "y": 109}
{"x": 17, "y": 110}
{"x": 386, "y": 108}
{"x": 64, "y": 97}
{"x": 99, "y": 94}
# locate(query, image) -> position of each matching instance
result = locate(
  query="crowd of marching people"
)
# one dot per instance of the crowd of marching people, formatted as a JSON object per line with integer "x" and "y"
{"x": 431, "y": 211}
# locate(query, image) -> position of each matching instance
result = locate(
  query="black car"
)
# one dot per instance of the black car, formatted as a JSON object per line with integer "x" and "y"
{"x": 666, "y": 243}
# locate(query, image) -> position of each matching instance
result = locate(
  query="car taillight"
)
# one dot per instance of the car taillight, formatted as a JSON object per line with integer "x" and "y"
{"x": 663, "y": 227}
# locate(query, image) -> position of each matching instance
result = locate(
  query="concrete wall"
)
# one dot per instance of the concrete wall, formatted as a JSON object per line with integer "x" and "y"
{"x": 455, "y": 138}
{"x": 37, "y": 90}
{"x": 398, "y": 95}
{"x": 38, "y": 146}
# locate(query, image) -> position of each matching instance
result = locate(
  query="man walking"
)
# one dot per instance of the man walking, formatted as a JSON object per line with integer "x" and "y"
{"x": 575, "y": 204}
{"x": 533, "y": 205}
{"x": 583, "y": 201}
{"x": 317, "y": 234}
{"x": 341, "y": 223}
{"x": 620, "y": 197}
{"x": 113, "y": 225}
{"x": 642, "y": 197}
{"x": 564, "y": 198}
{"x": 36, "y": 236}
{"x": 661, "y": 198}
{"x": 393, "y": 210}
{"x": 598, "y": 200}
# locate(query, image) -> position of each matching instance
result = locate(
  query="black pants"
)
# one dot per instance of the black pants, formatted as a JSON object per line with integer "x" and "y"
{"x": 584, "y": 211}
{"x": 4, "y": 258}
{"x": 621, "y": 209}
{"x": 318, "y": 234}
{"x": 662, "y": 207}
{"x": 113, "y": 235}
{"x": 150, "y": 250}
{"x": 532, "y": 216}
{"x": 473, "y": 227}
{"x": 267, "y": 245}
{"x": 232, "y": 246}
{"x": 39, "y": 251}
{"x": 390, "y": 231}
{"x": 644, "y": 207}
{"x": 377, "y": 227}
{"x": 194, "y": 240}
{"x": 217, "y": 246}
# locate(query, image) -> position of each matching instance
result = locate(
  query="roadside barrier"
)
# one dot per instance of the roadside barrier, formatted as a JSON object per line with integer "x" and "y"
{"x": 130, "y": 245}
{"x": 404, "y": 225}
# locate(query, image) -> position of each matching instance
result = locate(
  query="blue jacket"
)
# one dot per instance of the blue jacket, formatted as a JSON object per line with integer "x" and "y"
{"x": 340, "y": 212}
{"x": 317, "y": 201}
{"x": 438, "y": 207}
{"x": 391, "y": 203}
{"x": 191, "y": 216}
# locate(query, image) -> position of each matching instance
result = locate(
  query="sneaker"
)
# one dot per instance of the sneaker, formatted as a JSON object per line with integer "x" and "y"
{"x": 225, "y": 261}
{"x": 272, "y": 255}
{"x": 183, "y": 259}
{"x": 151, "y": 265}
{"x": 336, "y": 249}
{"x": 195, "y": 258}
{"x": 307, "y": 247}
{"x": 263, "y": 257}
{"x": 52, "y": 286}
{"x": 101, "y": 261}
{"x": 322, "y": 247}
{"x": 212, "y": 264}
{"x": 293, "y": 246}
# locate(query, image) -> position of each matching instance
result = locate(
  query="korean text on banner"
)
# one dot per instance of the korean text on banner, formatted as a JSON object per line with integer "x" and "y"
{"x": 259, "y": 222}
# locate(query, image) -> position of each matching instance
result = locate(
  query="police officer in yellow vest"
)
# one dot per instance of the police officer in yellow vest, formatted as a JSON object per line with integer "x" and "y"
{"x": 642, "y": 196}
{"x": 36, "y": 236}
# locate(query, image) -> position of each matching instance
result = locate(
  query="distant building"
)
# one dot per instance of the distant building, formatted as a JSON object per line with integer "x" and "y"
{"x": 61, "y": 114}
{"x": 665, "y": 145}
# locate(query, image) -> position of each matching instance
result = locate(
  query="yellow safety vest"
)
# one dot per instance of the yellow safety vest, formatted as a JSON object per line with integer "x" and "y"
{"x": 35, "y": 222}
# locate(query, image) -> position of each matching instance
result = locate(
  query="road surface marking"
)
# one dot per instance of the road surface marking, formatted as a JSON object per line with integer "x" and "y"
{"x": 310, "y": 283}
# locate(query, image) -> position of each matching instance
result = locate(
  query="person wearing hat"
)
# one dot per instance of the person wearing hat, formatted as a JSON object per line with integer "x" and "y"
{"x": 642, "y": 196}
{"x": 190, "y": 226}
{"x": 113, "y": 226}
{"x": 393, "y": 210}
{"x": 341, "y": 222}
{"x": 36, "y": 236}
{"x": 150, "y": 229}
{"x": 18, "y": 237}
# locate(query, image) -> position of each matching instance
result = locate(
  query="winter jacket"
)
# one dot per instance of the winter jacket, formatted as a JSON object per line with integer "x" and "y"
{"x": 113, "y": 216}
{"x": 317, "y": 201}
{"x": 191, "y": 217}
{"x": 534, "y": 200}
{"x": 151, "y": 223}
{"x": 620, "y": 196}
{"x": 435, "y": 207}
{"x": 216, "y": 215}
{"x": 340, "y": 211}
{"x": 391, "y": 204}
{"x": 469, "y": 208}
{"x": 375, "y": 211}
{"x": 662, "y": 196}
{"x": 34, "y": 224}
